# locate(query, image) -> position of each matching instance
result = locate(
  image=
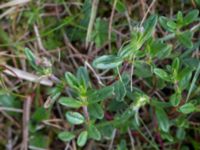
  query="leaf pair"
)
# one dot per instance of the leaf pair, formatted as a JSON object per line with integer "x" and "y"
{"x": 68, "y": 136}
{"x": 91, "y": 101}
{"x": 91, "y": 132}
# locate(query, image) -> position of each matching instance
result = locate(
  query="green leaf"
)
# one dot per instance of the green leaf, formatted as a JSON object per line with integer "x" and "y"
{"x": 167, "y": 136}
{"x": 185, "y": 38}
{"x": 119, "y": 90}
{"x": 75, "y": 118}
{"x": 96, "y": 111}
{"x": 159, "y": 49}
{"x": 120, "y": 6}
{"x": 172, "y": 25}
{"x": 142, "y": 69}
{"x": 179, "y": 18}
{"x": 163, "y": 22}
{"x": 107, "y": 131}
{"x": 122, "y": 145}
{"x": 31, "y": 58}
{"x": 71, "y": 80}
{"x": 7, "y": 100}
{"x": 66, "y": 136}
{"x": 162, "y": 119}
{"x": 149, "y": 27}
{"x": 183, "y": 73}
{"x": 94, "y": 132}
{"x": 191, "y": 16}
{"x": 162, "y": 74}
{"x": 191, "y": 62}
{"x": 70, "y": 102}
{"x": 82, "y": 138}
{"x": 180, "y": 133}
{"x": 130, "y": 48}
{"x": 196, "y": 75}
{"x": 116, "y": 106}
{"x": 4, "y": 36}
{"x": 53, "y": 93}
{"x": 175, "y": 99}
{"x": 29, "y": 54}
{"x": 176, "y": 64}
{"x": 36, "y": 116}
{"x": 184, "y": 78}
{"x": 99, "y": 95}
{"x": 101, "y": 32}
{"x": 187, "y": 108}
{"x": 197, "y": 2}
{"x": 107, "y": 62}
{"x": 83, "y": 77}
{"x": 39, "y": 140}
{"x": 181, "y": 122}
{"x": 157, "y": 103}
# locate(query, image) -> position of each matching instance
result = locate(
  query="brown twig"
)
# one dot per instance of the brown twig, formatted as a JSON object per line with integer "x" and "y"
{"x": 26, "y": 118}
{"x": 91, "y": 22}
{"x": 14, "y": 3}
{"x": 148, "y": 10}
{"x": 110, "y": 24}
{"x": 27, "y": 76}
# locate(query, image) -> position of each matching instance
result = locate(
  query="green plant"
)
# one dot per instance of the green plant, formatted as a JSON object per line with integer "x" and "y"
{"x": 99, "y": 74}
{"x": 140, "y": 57}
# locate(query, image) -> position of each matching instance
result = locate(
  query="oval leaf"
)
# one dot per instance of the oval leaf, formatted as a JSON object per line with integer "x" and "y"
{"x": 149, "y": 27}
{"x": 187, "y": 108}
{"x": 94, "y": 132}
{"x": 99, "y": 95}
{"x": 66, "y": 136}
{"x": 83, "y": 77}
{"x": 162, "y": 118}
{"x": 75, "y": 117}
{"x": 96, "y": 111}
{"x": 171, "y": 24}
{"x": 31, "y": 57}
{"x": 185, "y": 38}
{"x": 162, "y": 74}
{"x": 163, "y": 22}
{"x": 107, "y": 62}
{"x": 70, "y": 102}
{"x": 82, "y": 138}
{"x": 119, "y": 90}
{"x": 175, "y": 99}
{"x": 191, "y": 16}
{"x": 71, "y": 80}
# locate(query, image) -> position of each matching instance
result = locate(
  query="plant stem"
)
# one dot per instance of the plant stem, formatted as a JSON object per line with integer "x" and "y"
{"x": 92, "y": 20}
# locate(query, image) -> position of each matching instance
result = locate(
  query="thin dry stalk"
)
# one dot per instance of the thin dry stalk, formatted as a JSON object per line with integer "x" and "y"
{"x": 27, "y": 76}
{"x": 7, "y": 12}
{"x": 91, "y": 22}
{"x": 110, "y": 24}
{"x": 11, "y": 109}
{"x": 112, "y": 140}
{"x": 26, "y": 118}
{"x": 39, "y": 40}
{"x": 14, "y": 3}
{"x": 148, "y": 10}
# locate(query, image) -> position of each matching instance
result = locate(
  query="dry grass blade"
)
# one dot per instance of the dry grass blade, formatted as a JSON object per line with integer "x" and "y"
{"x": 92, "y": 20}
{"x": 8, "y": 12}
{"x": 26, "y": 118}
{"x": 11, "y": 109}
{"x": 27, "y": 76}
{"x": 14, "y": 3}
